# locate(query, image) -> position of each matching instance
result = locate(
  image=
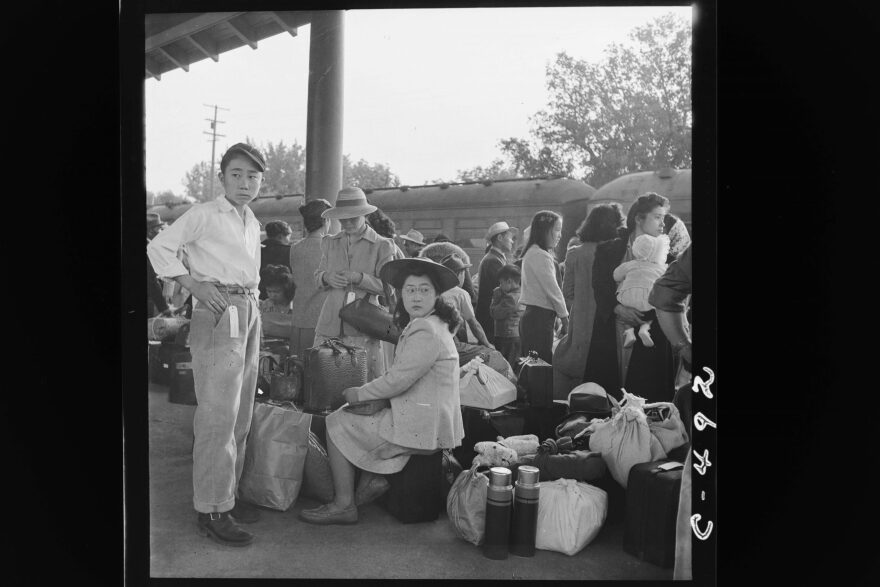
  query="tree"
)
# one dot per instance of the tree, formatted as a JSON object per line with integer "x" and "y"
{"x": 498, "y": 169}
{"x": 285, "y": 169}
{"x": 367, "y": 175}
{"x": 168, "y": 197}
{"x": 629, "y": 112}
{"x": 197, "y": 183}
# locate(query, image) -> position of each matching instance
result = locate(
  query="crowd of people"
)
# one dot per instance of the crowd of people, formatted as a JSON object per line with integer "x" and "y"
{"x": 612, "y": 311}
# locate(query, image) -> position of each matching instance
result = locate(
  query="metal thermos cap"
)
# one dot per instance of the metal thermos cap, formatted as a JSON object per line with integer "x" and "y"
{"x": 500, "y": 476}
{"x": 528, "y": 475}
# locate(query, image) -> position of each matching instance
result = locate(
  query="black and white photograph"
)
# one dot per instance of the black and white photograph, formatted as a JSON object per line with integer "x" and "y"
{"x": 419, "y": 295}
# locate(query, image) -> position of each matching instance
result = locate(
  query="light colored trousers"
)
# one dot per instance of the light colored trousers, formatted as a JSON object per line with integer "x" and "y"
{"x": 225, "y": 376}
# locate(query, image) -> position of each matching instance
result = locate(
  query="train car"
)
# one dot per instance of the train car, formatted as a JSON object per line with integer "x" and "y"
{"x": 674, "y": 184}
{"x": 461, "y": 211}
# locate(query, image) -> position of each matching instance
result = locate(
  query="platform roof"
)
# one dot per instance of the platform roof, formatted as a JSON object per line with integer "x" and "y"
{"x": 178, "y": 40}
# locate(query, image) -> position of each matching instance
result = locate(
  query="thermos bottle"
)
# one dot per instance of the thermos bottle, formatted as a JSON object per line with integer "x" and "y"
{"x": 499, "y": 501}
{"x": 525, "y": 511}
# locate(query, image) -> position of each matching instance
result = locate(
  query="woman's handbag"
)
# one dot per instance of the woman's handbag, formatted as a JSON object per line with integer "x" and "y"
{"x": 329, "y": 368}
{"x": 371, "y": 319}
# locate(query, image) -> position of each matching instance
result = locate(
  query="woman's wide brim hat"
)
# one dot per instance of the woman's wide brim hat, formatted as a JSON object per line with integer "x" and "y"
{"x": 350, "y": 203}
{"x": 395, "y": 272}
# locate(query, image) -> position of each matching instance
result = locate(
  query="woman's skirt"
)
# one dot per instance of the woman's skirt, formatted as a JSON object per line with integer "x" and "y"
{"x": 362, "y": 440}
{"x": 536, "y": 332}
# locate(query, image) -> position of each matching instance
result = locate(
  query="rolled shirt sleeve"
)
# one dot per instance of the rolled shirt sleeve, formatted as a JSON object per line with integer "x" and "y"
{"x": 670, "y": 292}
{"x": 162, "y": 250}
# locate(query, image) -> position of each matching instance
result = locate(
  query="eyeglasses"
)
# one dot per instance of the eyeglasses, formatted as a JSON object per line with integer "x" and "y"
{"x": 422, "y": 289}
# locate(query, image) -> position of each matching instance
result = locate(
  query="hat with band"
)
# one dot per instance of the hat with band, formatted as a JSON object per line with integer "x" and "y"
{"x": 350, "y": 203}
{"x": 414, "y": 236}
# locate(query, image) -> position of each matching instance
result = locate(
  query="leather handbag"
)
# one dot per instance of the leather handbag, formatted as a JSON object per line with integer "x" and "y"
{"x": 329, "y": 368}
{"x": 286, "y": 383}
{"x": 374, "y": 321}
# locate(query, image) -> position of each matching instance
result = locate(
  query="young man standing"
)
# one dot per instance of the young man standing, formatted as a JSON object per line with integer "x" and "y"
{"x": 222, "y": 240}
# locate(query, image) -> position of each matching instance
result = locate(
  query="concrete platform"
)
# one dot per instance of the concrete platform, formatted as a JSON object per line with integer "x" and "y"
{"x": 378, "y": 547}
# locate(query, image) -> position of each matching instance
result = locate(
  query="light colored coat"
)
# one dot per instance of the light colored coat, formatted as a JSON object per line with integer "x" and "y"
{"x": 367, "y": 254}
{"x": 570, "y": 356}
{"x": 422, "y": 385}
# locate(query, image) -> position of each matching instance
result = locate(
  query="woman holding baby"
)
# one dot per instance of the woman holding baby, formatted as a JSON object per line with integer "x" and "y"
{"x": 628, "y": 347}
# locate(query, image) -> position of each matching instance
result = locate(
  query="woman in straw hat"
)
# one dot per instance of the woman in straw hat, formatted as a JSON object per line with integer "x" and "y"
{"x": 419, "y": 395}
{"x": 349, "y": 269}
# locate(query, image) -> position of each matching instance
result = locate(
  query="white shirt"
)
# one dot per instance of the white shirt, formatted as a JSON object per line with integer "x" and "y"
{"x": 219, "y": 246}
{"x": 539, "y": 286}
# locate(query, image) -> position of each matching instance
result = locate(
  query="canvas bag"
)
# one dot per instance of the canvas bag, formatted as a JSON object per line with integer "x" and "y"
{"x": 626, "y": 439}
{"x": 275, "y": 456}
{"x": 570, "y": 515}
{"x": 669, "y": 430}
{"x": 466, "y": 505}
{"x": 481, "y": 386}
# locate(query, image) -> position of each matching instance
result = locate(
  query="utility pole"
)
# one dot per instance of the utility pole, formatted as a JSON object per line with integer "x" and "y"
{"x": 214, "y": 136}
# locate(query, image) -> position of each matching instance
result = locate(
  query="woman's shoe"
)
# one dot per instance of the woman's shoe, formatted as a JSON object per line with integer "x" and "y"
{"x": 372, "y": 490}
{"x": 324, "y": 515}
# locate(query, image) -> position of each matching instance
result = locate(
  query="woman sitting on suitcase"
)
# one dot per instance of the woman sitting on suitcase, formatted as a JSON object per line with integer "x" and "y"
{"x": 417, "y": 399}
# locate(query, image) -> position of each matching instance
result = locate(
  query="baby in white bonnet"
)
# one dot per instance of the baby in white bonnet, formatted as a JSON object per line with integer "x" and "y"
{"x": 636, "y": 278}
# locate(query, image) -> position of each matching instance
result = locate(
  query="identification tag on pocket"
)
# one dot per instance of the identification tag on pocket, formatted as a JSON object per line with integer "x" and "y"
{"x": 349, "y": 297}
{"x": 233, "y": 321}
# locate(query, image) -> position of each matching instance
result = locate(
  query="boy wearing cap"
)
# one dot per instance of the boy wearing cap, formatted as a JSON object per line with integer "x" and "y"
{"x": 499, "y": 245}
{"x": 222, "y": 241}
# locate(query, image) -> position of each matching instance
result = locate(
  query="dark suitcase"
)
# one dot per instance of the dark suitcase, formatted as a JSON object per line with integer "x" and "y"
{"x": 482, "y": 425}
{"x": 414, "y": 495}
{"x": 535, "y": 381}
{"x": 182, "y": 388}
{"x": 651, "y": 511}
{"x": 329, "y": 368}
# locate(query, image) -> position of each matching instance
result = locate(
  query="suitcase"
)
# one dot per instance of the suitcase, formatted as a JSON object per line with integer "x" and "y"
{"x": 535, "y": 381}
{"x": 329, "y": 368}
{"x": 182, "y": 388}
{"x": 651, "y": 512}
{"x": 414, "y": 495}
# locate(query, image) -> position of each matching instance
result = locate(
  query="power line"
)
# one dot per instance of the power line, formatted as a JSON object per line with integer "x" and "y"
{"x": 214, "y": 136}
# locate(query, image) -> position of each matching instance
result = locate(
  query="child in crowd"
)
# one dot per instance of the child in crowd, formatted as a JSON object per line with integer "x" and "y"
{"x": 461, "y": 300}
{"x": 506, "y": 311}
{"x": 276, "y": 310}
{"x": 636, "y": 278}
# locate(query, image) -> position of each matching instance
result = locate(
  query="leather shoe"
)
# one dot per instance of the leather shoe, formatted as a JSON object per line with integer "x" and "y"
{"x": 324, "y": 516}
{"x": 372, "y": 490}
{"x": 221, "y": 528}
{"x": 244, "y": 513}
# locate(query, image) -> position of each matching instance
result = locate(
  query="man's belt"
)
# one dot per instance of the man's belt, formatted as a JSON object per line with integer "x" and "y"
{"x": 235, "y": 289}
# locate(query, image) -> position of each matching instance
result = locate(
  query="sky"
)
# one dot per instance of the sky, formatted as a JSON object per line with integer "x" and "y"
{"x": 427, "y": 92}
